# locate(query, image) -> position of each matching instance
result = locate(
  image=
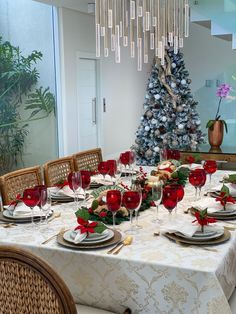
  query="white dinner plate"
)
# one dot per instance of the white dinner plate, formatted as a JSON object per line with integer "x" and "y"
{"x": 204, "y": 236}
{"x": 70, "y": 234}
{"x": 8, "y": 214}
{"x": 225, "y": 212}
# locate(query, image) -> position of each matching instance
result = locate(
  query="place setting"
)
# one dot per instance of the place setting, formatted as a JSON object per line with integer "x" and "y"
{"x": 88, "y": 234}
{"x": 33, "y": 206}
{"x": 221, "y": 207}
{"x": 196, "y": 232}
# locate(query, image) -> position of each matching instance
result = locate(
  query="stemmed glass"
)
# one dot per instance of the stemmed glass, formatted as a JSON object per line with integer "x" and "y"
{"x": 112, "y": 166}
{"x": 46, "y": 205}
{"x": 43, "y": 198}
{"x": 131, "y": 200}
{"x": 169, "y": 198}
{"x": 157, "y": 190}
{"x": 135, "y": 186}
{"x": 85, "y": 181}
{"x": 210, "y": 167}
{"x": 197, "y": 178}
{"x": 31, "y": 198}
{"x": 180, "y": 192}
{"x": 74, "y": 181}
{"x": 103, "y": 168}
{"x": 125, "y": 159}
{"x": 113, "y": 200}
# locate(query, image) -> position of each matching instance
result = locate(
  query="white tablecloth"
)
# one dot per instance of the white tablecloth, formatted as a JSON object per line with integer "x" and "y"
{"x": 153, "y": 275}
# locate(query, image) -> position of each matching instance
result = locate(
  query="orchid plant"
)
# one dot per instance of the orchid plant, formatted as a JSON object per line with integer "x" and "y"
{"x": 222, "y": 92}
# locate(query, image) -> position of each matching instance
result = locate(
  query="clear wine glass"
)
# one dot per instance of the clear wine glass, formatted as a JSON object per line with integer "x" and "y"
{"x": 157, "y": 191}
{"x": 113, "y": 200}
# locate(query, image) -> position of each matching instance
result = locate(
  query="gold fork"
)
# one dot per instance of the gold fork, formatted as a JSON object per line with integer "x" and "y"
{"x": 127, "y": 241}
{"x": 53, "y": 236}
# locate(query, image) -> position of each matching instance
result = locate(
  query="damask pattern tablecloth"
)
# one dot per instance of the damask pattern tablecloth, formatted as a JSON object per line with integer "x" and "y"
{"x": 153, "y": 275}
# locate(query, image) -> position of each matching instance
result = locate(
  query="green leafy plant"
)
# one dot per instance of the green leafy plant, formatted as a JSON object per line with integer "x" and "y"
{"x": 18, "y": 79}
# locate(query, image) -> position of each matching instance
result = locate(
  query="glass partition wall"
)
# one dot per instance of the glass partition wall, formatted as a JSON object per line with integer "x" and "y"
{"x": 28, "y": 122}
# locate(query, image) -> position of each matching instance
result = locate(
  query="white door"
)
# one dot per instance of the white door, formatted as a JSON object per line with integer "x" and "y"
{"x": 87, "y": 103}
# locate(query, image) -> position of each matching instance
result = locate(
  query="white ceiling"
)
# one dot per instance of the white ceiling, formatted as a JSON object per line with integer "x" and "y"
{"x": 79, "y": 5}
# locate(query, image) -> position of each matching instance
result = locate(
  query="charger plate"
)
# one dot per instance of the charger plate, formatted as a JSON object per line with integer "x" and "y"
{"x": 117, "y": 237}
{"x": 19, "y": 220}
{"x": 219, "y": 216}
{"x": 225, "y": 237}
{"x": 97, "y": 192}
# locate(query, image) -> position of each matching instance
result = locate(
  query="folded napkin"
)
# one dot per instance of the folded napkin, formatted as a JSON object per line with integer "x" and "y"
{"x": 211, "y": 205}
{"x": 231, "y": 186}
{"x": 65, "y": 191}
{"x": 77, "y": 236}
{"x": 187, "y": 228}
{"x": 22, "y": 210}
{"x": 97, "y": 179}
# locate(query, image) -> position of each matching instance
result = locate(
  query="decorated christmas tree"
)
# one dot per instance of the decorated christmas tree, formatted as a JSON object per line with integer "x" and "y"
{"x": 170, "y": 119}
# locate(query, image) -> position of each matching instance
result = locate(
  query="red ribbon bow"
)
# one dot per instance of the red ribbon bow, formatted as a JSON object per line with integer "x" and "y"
{"x": 16, "y": 201}
{"x": 223, "y": 198}
{"x": 85, "y": 225}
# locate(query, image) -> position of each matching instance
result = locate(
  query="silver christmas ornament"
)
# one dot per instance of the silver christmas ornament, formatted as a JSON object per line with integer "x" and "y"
{"x": 157, "y": 133}
{"x": 180, "y": 126}
{"x": 173, "y": 84}
{"x": 179, "y": 108}
{"x": 173, "y": 65}
{"x": 163, "y": 119}
{"x": 147, "y": 128}
{"x": 183, "y": 82}
{"x": 156, "y": 149}
{"x": 149, "y": 114}
{"x": 157, "y": 96}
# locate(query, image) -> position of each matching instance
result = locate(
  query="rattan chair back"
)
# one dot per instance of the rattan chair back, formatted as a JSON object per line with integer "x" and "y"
{"x": 58, "y": 170}
{"x": 30, "y": 286}
{"x": 88, "y": 159}
{"x": 15, "y": 182}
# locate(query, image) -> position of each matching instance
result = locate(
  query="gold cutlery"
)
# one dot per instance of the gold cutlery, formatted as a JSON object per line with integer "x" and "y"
{"x": 53, "y": 236}
{"x": 55, "y": 215}
{"x": 127, "y": 241}
{"x": 115, "y": 247}
{"x": 196, "y": 246}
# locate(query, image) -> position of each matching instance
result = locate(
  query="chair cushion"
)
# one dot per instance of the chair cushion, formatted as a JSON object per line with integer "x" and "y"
{"x": 232, "y": 302}
{"x": 84, "y": 309}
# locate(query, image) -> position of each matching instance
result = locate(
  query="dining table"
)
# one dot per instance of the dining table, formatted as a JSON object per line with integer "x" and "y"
{"x": 152, "y": 275}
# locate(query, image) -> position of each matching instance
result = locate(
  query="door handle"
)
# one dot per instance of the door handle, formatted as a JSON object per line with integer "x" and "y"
{"x": 94, "y": 111}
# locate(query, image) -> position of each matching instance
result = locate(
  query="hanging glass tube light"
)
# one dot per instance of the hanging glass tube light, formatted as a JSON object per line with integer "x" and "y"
{"x": 141, "y": 25}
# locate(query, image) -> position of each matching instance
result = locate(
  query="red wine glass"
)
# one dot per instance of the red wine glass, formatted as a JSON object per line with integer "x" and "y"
{"x": 85, "y": 180}
{"x": 197, "y": 178}
{"x": 103, "y": 168}
{"x": 180, "y": 192}
{"x": 169, "y": 197}
{"x": 131, "y": 200}
{"x": 210, "y": 167}
{"x": 43, "y": 198}
{"x": 112, "y": 166}
{"x": 113, "y": 200}
{"x": 31, "y": 198}
{"x": 74, "y": 181}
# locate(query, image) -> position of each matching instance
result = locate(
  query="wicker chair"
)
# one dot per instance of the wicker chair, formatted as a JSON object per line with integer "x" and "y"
{"x": 16, "y": 182}
{"x": 57, "y": 170}
{"x": 88, "y": 159}
{"x": 30, "y": 286}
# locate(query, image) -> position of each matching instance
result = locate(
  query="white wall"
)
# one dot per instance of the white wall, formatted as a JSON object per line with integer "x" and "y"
{"x": 121, "y": 85}
{"x": 211, "y": 58}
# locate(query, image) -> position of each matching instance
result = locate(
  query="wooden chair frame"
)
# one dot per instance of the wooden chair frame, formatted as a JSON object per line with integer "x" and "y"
{"x": 16, "y": 182}
{"x": 88, "y": 159}
{"x": 36, "y": 273}
{"x": 58, "y": 169}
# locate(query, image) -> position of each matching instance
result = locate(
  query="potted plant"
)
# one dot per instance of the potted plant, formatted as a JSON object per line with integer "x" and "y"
{"x": 216, "y": 126}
